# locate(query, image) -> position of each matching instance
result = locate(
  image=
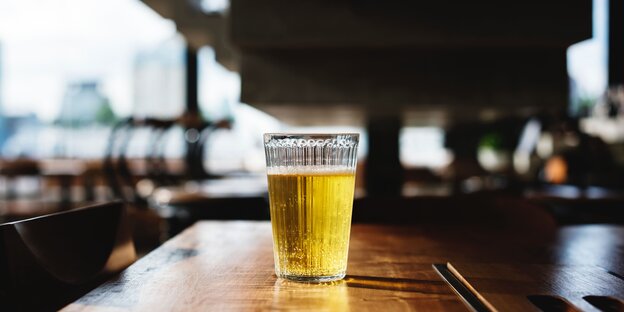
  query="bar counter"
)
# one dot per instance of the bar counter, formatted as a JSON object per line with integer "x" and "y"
{"x": 224, "y": 266}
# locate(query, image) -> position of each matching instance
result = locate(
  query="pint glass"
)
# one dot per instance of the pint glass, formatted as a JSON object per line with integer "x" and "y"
{"x": 311, "y": 181}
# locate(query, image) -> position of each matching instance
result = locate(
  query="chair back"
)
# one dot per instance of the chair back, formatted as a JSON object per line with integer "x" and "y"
{"x": 49, "y": 261}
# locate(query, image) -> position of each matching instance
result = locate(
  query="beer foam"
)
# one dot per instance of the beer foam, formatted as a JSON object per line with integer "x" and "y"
{"x": 310, "y": 170}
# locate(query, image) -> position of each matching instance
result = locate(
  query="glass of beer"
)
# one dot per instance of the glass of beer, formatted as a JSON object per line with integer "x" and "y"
{"x": 311, "y": 183}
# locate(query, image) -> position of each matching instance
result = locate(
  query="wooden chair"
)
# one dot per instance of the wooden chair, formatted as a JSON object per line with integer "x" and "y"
{"x": 49, "y": 261}
{"x": 122, "y": 179}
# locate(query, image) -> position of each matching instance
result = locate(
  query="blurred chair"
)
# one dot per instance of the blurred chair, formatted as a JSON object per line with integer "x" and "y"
{"x": 124, "y": 176}
{"x": 580, "y": 180}
{"x": 182, "y": 208}
{"x": 127, "y": 182}
{"x": 579, "y": 159}
{"x": 19, "y": 203}
{"x": 159, "y": 185}
{"x": 121, "y": 177}
{"x": 49, "y": 261}
{"x": 11, "y": 169}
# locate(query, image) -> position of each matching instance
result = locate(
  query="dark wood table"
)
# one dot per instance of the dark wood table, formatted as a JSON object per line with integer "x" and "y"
{"x": 229, "y": 266}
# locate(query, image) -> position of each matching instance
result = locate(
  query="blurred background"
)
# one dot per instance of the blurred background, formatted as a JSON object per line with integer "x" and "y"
{"x": 163, "y": 103}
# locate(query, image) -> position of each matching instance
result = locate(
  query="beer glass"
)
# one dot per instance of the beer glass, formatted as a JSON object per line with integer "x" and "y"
{"x": 311, "y": 183}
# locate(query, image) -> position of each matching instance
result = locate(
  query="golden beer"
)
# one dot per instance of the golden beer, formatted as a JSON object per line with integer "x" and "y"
{"x": 311, "y": 219}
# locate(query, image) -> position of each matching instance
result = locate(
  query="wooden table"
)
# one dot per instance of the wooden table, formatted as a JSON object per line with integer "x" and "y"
{"x": 229, "y": 266}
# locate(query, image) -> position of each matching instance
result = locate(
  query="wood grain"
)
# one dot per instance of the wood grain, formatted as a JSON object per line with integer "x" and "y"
{"x": 229, "y": 266}
{"x": 508, "y": 287}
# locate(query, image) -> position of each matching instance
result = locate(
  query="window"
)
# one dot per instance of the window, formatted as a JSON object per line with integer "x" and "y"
{"x": 587, "y": 63}
{"x": 68, "y": 64}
